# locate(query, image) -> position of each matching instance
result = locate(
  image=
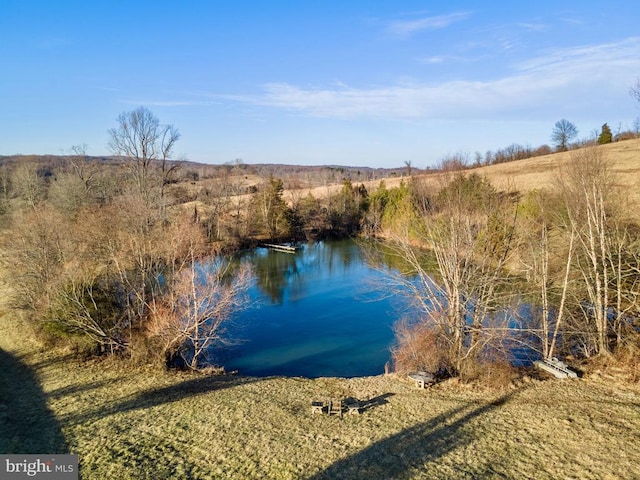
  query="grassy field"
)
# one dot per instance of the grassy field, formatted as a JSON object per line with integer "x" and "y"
{"x": 534, "y": 173}
{"x": 144, "y": 424}
{"x": 540, "y": 172}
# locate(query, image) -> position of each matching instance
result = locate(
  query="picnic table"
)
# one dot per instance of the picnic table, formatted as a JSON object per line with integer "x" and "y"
{"x": 336, "y": 406}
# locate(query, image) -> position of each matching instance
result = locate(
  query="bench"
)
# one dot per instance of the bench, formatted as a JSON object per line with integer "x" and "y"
{"x": 353, "y": 406}
{"x": 422, "y": 378}
{"x": 335, "y": 406}
{"x": 318, "y": 406}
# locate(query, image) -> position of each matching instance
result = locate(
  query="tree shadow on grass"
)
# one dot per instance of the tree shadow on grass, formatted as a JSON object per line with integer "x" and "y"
{"x": 37, "y": 361}
{"x": 75, "y": 389}
{"x": 408, "y": 451}
{"x": 27, "y": 426}
{"x": 374, "y": 402}
{"x": 159, "y": 396}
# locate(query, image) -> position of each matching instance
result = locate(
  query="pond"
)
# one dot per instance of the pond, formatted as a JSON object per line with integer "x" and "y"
{"x": 322, "y": 311}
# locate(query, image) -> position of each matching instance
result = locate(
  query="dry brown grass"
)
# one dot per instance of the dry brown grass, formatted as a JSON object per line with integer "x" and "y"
{"x": 532, "y": 173}
{"x": 540, "y": 172}
{"x": 144, "y": 424}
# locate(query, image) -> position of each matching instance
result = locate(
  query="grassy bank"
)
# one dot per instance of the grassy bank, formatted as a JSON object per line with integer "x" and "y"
{"x": 144, "y": 424}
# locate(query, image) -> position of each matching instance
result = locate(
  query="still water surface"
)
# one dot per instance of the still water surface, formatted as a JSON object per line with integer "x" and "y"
{"x": 323, "y": 311}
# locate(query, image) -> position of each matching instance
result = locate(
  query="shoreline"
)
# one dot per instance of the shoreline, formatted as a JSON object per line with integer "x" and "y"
{"x": 144, "y": 423}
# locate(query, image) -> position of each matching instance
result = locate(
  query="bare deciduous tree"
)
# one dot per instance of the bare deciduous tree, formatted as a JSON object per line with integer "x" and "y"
{"x": 85, "y": 170}
{"x": 467, "y": 234}
{"x": 634, "y": 91}
{"x": 592, "y": 207}
{"x": 563, "y": 132}
{"x": 141, "y": 138}
{"x": 75, "y": 183}
{"x": 227, "y": 204}
{"x": 29, "y": 185}
{"x": 201, "y": 300}
{"x": 548, "y": 279}
{"x": 34, "y": 254}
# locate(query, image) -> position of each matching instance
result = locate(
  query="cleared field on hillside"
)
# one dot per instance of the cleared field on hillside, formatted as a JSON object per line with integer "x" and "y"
{"x": 532, "y": 173}
{"x": 541, "y": 172}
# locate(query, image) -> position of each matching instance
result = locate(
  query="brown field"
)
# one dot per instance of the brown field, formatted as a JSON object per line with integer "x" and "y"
{"x": 533, "y": 173}
{"x": 540, "y": 172}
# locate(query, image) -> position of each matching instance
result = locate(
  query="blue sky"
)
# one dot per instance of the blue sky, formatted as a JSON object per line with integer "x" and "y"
{"x": 337, "y": 82}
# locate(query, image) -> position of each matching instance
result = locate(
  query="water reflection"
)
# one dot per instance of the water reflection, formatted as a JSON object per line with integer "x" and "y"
{"x": 322, "y": 311}
{"x": 280, "y": 273}
{"x": 275, "y": 271}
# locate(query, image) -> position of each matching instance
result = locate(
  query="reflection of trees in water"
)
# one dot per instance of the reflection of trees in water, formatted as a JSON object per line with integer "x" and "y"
{"x": 278, "y": 273}
{"x": 274, "y": 272}
{"x": 338, "y": 256}
{"x": 385, "y": 256}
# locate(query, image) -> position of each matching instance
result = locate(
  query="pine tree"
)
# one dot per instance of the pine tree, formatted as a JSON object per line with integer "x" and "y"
{"x": 605, "y": 136}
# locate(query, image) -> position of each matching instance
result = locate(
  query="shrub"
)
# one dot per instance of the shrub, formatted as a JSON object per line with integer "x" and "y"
{"x": 488, "y": 371}
{"x": 420, "y": 347}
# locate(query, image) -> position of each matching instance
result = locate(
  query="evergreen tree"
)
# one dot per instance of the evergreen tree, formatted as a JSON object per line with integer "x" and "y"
{"x": 270, "y": 211}
{"x": 605, "y": 135}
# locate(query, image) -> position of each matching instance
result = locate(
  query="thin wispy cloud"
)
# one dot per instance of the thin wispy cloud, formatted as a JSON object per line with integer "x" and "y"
{"x": 534, "y": 27}
{"x": 573, "y": 21}
{"x": 548, "y": 79}
{"x": 442, "y": 59}
{"x": 170, "y": 103}
{"x": 589, "y": 58}
{"x": 404, "y": 28}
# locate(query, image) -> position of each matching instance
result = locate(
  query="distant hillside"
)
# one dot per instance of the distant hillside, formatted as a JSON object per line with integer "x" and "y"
{"x": 294, "y": 176}
{"x": 320, "y": 180}
{"x": 530, "y": 173}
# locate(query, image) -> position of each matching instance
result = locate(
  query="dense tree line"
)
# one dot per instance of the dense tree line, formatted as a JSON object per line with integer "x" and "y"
{"x": 123, "y": 256}
{"x": 492, "y": 273}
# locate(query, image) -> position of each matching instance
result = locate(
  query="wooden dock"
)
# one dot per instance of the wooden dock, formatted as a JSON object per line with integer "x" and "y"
{"x": 556, "y": 368}
{"x": 280, "y": 248}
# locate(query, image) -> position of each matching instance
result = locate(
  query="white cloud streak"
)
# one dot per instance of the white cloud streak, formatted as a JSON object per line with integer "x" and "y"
{"x": 169, "y": 103}
{"x": 557, "y": 77}
{"x": 404, "y": 28}
{"x": 533, "y": 27}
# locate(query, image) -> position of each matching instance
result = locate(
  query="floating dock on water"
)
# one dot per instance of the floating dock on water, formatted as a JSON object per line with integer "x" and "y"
{"x": 280, "y": 248}
{"x": 556, "y": 368}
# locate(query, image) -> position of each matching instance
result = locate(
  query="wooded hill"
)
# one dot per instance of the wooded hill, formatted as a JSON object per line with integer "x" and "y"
{"x": 522, "y": 175}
